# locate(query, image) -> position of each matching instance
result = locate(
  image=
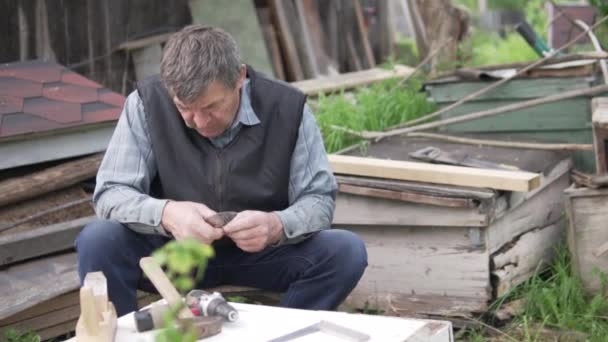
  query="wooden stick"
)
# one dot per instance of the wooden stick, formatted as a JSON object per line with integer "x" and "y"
{"x": 502, "y": 143}
{"x": 502, "y": 81}
{"x": 596, "y": 45}
{"x": 162, "y": 283}
{"x": 481, "y": 114}
{"x": 61, "y": 176}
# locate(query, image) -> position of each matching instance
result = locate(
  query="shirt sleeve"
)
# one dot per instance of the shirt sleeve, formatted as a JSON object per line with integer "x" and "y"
{"x": 312, "y": 185}
{"x": 126, "y": 172}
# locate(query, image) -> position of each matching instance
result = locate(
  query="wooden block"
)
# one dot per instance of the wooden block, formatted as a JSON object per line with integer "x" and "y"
{"x": 97, "y": 321}
{"x": 599, "y": 106}
{"x": 432, "y": 173}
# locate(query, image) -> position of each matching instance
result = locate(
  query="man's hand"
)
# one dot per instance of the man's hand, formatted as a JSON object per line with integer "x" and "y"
{"x": 187, "y": 219}
{"x": 252, "y": 231}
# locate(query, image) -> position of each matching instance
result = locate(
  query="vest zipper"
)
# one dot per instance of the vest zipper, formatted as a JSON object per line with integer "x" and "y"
{"x": 220, "y": 179}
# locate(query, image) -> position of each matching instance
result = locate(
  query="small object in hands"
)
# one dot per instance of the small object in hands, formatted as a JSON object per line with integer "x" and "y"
{"x": 211, "y": 304}
{"x": 97, "y": 321}
{"x": 221, "y": 219}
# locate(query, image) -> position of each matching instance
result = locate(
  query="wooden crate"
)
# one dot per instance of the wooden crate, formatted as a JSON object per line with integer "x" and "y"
{"x": 588, "y": 214}
{"x": 453, "y": 255}
{"x": 562, "y": 121}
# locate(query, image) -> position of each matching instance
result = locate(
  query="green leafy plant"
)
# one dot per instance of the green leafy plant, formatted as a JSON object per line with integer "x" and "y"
{"x": 185, "y": 262}
{"x": 12, "y": 335}
{"x": 374, "y": 108}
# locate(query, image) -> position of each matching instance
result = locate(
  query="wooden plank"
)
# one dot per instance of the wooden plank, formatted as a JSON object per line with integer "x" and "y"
{"x": 313, "y": 20}
{"x": 238, "y": 17}
{"x": 304, "y": 40}
{"x": 587, "y": 211}
{"x": 27, "y": 284}
{"x": 408, "y": 197}
{"x": 528, "y": 211}
{"x": 58, "y": 177}
{"x": 560, "y": 115}
{"x": 599, "y": 107}
{"x": 144, "y": 42}
{"x": 530, "y": 253}
{"x": 364, "y": 38}
{"x": 514, "y": 89}
{"x": 423, "y": 271}
{"x": 423, "y": 188}
{"x": 286, "y": 39}
{"x": 352, "y": 210}
{"x": 45, "y": 210}
{"x": 583, "y": 160}
{"x": 270, "y": 37}
{"x": 433, "y": 173}
{"x": 42, "y": 241}
{"x": 351, "y": 80}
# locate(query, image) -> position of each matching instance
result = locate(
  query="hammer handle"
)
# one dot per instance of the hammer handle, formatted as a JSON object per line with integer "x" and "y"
{"x": 162, "y": 283}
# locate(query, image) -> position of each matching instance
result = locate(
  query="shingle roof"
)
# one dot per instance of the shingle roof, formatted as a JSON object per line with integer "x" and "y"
{"x": 40, "y": 96}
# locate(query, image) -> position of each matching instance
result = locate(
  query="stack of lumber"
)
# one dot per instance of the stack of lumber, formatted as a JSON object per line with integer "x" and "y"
{"x": 447, "y": 240}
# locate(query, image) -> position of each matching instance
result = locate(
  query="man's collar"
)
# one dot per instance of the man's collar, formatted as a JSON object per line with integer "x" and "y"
{"x": 245, "y": 114}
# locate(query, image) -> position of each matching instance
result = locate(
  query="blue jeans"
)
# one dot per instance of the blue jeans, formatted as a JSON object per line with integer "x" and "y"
{"x": 317, "y": 273}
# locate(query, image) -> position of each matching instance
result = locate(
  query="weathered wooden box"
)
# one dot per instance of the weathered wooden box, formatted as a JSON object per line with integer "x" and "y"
{"x": 561, "y": 121}
{"x": 448, "y": 250}
{"x": 588, "y": 215}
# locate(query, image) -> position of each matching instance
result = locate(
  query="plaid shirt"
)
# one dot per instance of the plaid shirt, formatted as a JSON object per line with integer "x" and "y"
{"x": 129, "y": 166}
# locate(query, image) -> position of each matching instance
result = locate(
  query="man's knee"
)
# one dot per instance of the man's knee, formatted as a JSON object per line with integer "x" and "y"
{"x": 346, "y": 251}
{"x": 101, "y": 237}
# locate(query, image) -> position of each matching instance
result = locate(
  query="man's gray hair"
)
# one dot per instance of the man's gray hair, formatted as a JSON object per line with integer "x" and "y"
{"x": 196, "y": 56}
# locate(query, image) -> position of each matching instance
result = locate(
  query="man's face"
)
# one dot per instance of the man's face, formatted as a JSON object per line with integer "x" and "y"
{"x": 214, "y": 110}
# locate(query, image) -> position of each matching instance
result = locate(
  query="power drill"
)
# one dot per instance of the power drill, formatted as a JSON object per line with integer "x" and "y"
{"x": 203, "y": 303}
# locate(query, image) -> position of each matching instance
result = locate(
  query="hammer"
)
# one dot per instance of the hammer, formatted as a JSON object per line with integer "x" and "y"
{"x": 205, "y": 325}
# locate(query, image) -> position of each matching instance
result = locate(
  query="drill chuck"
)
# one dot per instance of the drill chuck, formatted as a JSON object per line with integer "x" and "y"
{"x": 211, "y": 304}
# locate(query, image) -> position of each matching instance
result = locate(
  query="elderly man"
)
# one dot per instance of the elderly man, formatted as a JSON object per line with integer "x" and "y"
{"x": 208, "y": 135}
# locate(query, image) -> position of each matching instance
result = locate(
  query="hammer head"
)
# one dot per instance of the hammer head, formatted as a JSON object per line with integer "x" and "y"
{"x": 204, "y": 326}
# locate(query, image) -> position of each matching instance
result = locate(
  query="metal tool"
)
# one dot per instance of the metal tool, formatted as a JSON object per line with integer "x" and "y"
{"x": 211, "y": 304}
{"x": 221, "y": 219}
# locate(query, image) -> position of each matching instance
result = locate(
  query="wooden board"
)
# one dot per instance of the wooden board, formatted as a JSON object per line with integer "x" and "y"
{"x": 561, "y": 115}
{"x": 238, "y": 17}
{"x": 433, "y": 173}
{"x": 419, "y": 187}
{"x": 583, "y": 160}
{"x": 531, "y": 253}
{"x": 408, "y": 196}
{"x": 293, "y": 67}
{"x": 526, "y": 212}
{"x": 13, "y": 214}
{"x": 25, "y": 285}
{"x": 514, "y": 89}
{"x": 354, "y": 210}
{"x": 587, "y": 213}
{"x": 351, "y": 80}
{"x": 440, "y": 266}
{"x": 42, "y": 241}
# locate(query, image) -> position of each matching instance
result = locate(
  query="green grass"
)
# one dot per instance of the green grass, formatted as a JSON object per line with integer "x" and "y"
{"x": 555, "y": 304}
{"x": 487, "y": 48}
{"x": 12, "y": 335}
{"x": 373, "y": 108}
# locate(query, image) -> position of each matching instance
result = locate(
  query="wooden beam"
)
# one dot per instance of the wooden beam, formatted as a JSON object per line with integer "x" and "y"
{"x": 58, "y": 177}
{"x": 42, "y": 241}
{"x": 351, "y": 80}
{"x": 433, "y": 173}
